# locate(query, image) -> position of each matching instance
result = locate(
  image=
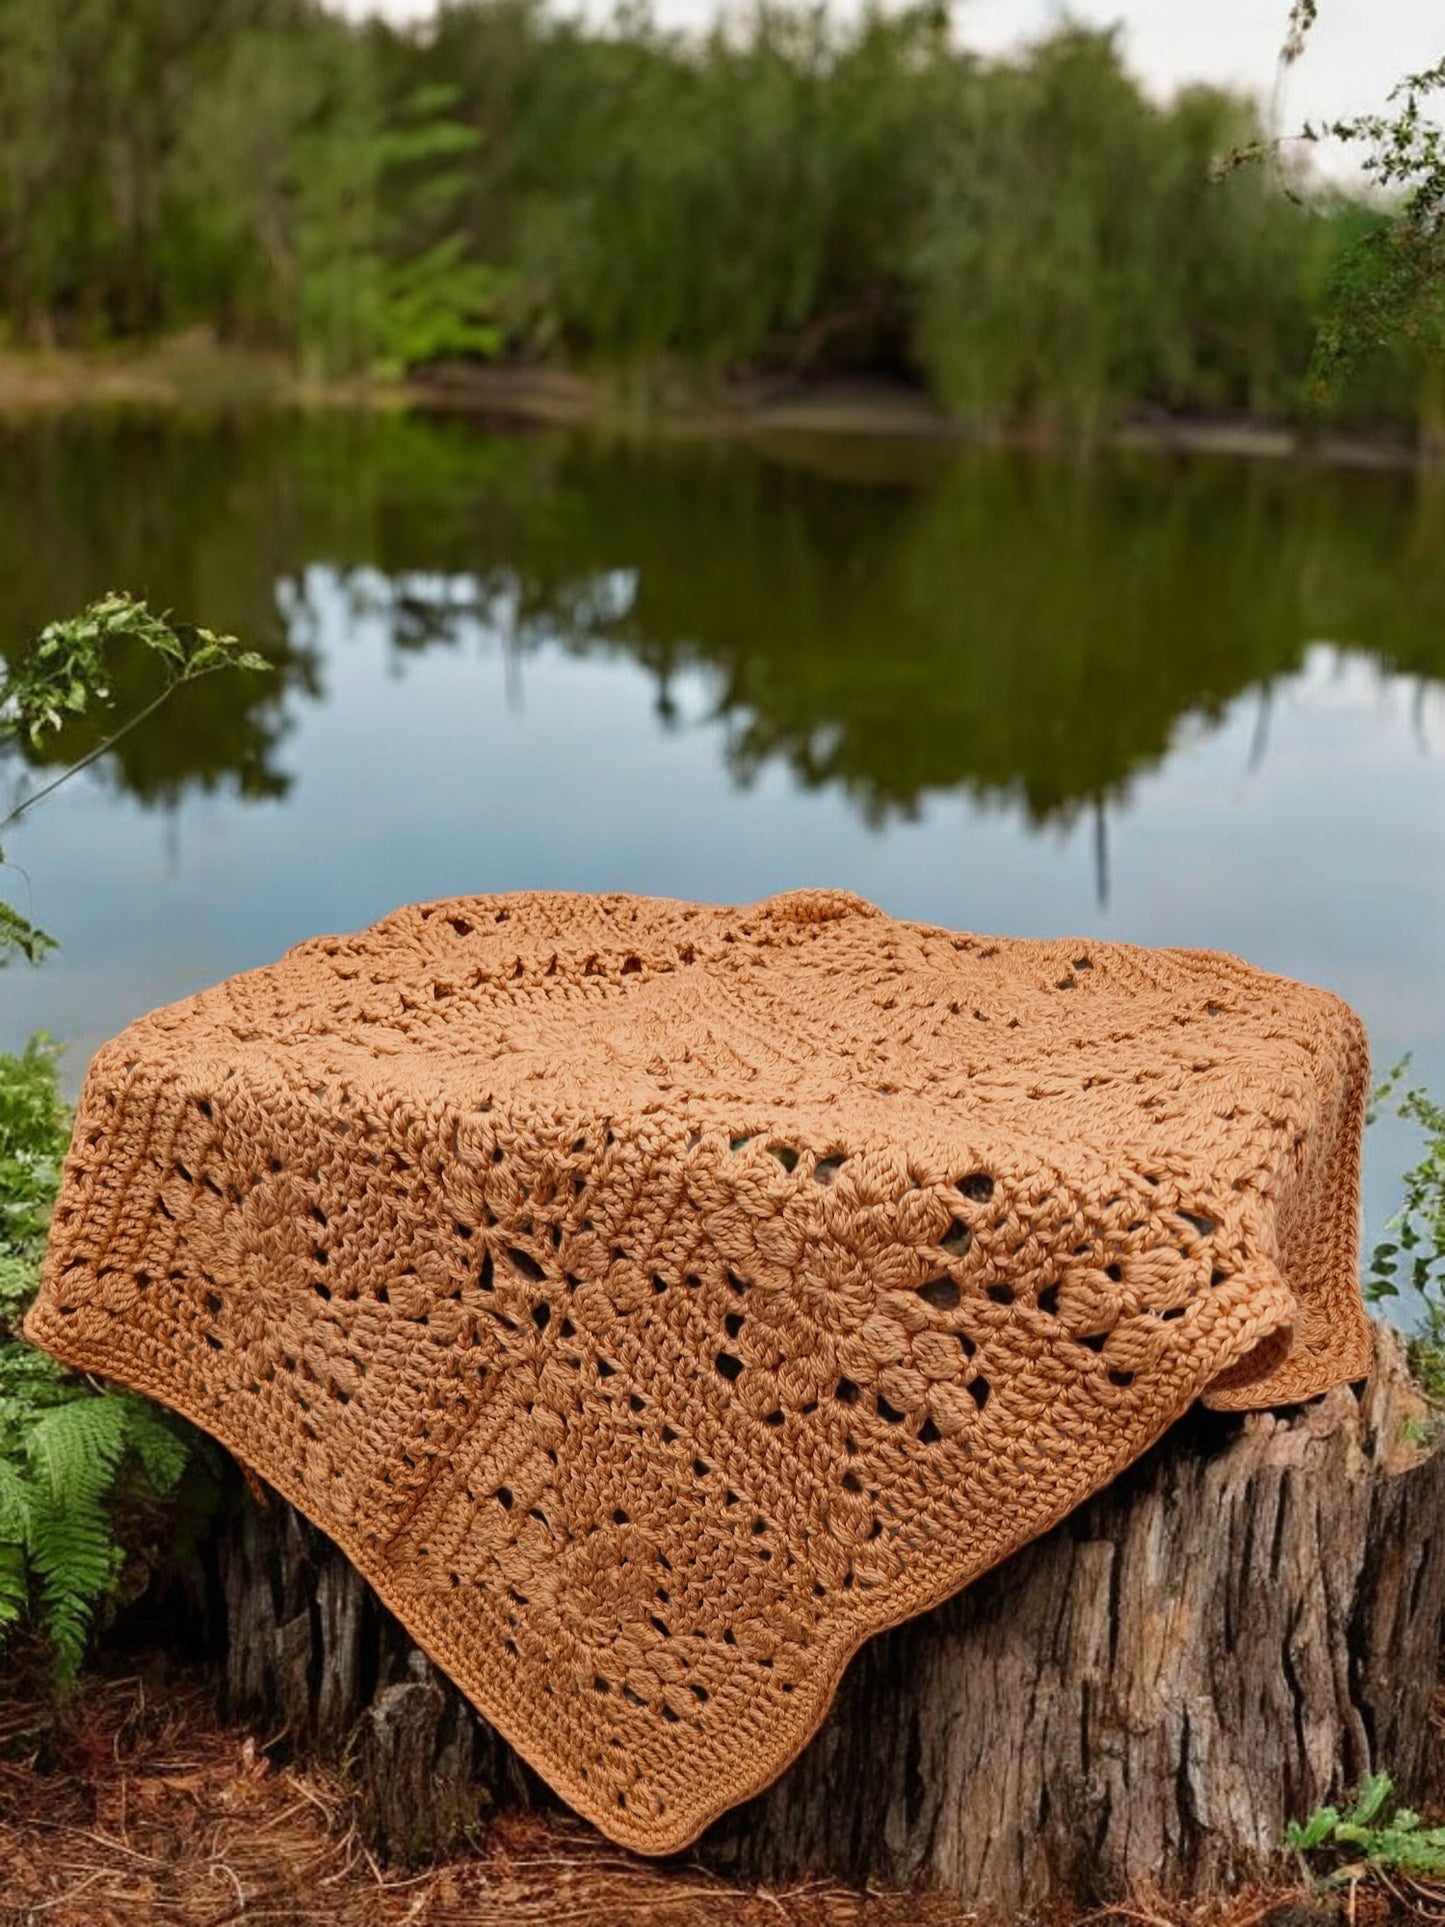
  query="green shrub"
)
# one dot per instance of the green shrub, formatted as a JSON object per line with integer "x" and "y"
{"x": 82, "y": 1469}
{"x": 64, "y": 675}
{"x": 73, "y": 1459}
{"x": 797, "y": 189}
{"x": 1374, "y": 1835}
{"x": 1412, "y": 1253}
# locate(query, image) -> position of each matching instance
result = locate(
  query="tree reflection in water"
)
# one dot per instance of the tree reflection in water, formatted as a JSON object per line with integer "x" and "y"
{"x": 894, "y": 622}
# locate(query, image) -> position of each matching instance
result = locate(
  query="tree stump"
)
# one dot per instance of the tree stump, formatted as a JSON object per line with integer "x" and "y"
{"x": 1233, "y": 1633}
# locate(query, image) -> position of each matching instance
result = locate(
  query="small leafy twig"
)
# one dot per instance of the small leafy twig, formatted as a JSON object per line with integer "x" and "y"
{"x": 1412, "y": 1252}
{"x": 65, "y": 673}
{"x": 1389, "y": 285}
{"x": 1302, "y": 17}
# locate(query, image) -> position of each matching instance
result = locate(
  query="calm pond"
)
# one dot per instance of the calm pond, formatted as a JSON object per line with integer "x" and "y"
{"x": 1178, "y": 702}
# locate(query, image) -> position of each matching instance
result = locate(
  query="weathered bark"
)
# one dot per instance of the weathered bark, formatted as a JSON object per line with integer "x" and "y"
{"x": 1234, "y": 1632}
{"x": 311, "y": 1651}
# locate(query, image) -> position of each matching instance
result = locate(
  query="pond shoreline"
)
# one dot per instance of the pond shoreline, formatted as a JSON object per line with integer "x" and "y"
{"x": 195, "y": 376}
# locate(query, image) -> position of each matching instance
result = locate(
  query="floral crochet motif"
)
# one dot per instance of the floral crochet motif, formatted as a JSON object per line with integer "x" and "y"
{"x": 655, "y": 1300}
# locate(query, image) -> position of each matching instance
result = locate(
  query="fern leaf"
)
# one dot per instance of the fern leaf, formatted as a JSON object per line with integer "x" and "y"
{"x": 75, "y": 1559}
{"x": 14, "y": 1588}
{"x": 1371, "y": 1798}
{"x": 75, "y": 1451}
{"x": 14, "y": 1535}
{"x": 160, "y": 1450}
{"x": 76, "y": 1448}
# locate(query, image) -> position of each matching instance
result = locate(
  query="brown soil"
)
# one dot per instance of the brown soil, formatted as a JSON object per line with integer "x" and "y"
{"x": 187, "y": 370}
{"x": 138, "y": 1806}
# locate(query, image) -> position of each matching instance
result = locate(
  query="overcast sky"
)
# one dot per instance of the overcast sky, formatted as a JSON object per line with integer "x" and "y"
{"x": 1358, "y": 50}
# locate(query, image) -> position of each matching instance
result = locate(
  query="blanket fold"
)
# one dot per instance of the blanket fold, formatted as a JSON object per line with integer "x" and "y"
{"x": 655, "y": 1300}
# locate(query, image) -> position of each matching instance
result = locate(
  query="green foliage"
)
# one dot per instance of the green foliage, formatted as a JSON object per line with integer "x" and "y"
{"x": 34, "y": 1131}
{"x": 436, "y": 300}
{"x": 1046, "y": 293}
{"x": 65, "y": 671}
{"x": 70, "y": 1457}
{"x": 1412, "y": 1253}
{"x": 792, "y": 192}
{"x": 1387, "y": 288}
{"x": 19, "y": 937}
{"x": 65, "y": 674}
{"x": 63, "y": 1471}
{"x": 318, "y": 190}
{"x": 740, "y": 202}
{"x": 386, "y": 279}
{"x": 438, "y": 306}
{"x": 1374, "y": 1835}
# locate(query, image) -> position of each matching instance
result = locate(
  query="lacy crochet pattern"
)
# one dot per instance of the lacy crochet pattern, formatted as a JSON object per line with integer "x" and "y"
{"x": 655, "y": 1300}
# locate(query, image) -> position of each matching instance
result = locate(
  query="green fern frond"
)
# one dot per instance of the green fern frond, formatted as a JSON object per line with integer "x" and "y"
{"x": 70, "y": 1459}
{"x": 19, "y": 1280}
{"x": 75, "y": 1452}
{"x": 14, "y": 1533}
{"x": 160, "y": 1450}
{"x": 76, "y": 1448}
{"x": 67, "y": 1453}
{"x": 14, "y": 1589}
{"x": 30, "y": 1383}
{"x": 14, "y": 1505}
{"x": 76, "y": 1561}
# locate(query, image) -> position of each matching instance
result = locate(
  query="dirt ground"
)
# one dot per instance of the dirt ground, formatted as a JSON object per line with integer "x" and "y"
{"x": 141, "y": 1807}
{"x": 193, "y": 371}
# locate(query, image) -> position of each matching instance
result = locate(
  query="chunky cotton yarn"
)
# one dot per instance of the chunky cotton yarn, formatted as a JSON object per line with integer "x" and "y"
{"x": 655, "y": 1300}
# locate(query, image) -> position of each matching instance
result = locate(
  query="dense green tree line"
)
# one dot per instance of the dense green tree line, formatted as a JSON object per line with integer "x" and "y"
{"x": 1033, "y": 241}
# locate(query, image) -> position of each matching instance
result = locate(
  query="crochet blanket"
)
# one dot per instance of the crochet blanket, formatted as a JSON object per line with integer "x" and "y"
{"x": 655, "y": 1300}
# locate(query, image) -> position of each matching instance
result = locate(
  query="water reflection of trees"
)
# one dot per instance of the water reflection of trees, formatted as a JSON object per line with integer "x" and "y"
{"x": 1028, "y": 632}
{"x": 186, "y": 516}
{"x": 1024, "y": 631}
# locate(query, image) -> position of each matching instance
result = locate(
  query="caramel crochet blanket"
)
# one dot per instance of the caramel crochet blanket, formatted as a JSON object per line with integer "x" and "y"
{"x": 656, "y": 1300}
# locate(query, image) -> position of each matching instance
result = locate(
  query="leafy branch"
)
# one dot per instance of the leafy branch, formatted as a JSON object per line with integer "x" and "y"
{"x": 1302, "y": 17}
{"x": 72, "y": 1460}
{"x": 65, "y": 674}
{"x": 1391, "y": 283}
{"x": 1412, "y": 1252}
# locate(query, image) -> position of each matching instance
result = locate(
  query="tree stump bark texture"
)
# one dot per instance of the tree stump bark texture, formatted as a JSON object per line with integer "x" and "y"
{"x": 1233, "y": 1633}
